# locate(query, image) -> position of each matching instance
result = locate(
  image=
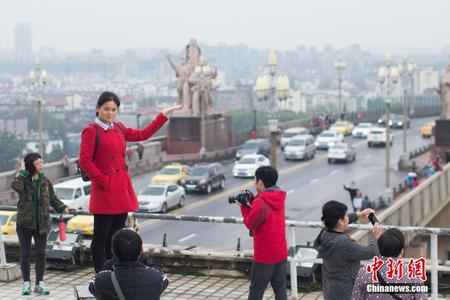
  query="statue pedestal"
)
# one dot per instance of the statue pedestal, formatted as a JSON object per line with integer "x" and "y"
{"x": 184, "y": 134}
{"x": 441, "y": 134}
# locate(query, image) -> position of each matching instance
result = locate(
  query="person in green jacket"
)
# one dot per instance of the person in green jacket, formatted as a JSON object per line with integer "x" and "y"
{"x": 36, "y": 195}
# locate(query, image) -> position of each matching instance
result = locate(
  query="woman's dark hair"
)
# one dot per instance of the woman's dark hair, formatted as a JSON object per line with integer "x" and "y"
{"x": 127, "y": 245}
{"x": 29, "y": 160}
{"x": 391, "y": 243}
{"x": 106, "y": 97}
{"x": 332, "y": 211}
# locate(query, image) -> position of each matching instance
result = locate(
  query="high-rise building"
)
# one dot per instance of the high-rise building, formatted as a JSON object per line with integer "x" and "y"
{"x": 23, "y": 41}
{"x": 428, "y": 80}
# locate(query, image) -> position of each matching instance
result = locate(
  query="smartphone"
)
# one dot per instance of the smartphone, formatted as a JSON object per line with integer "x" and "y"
{"x": 373, "y": 219}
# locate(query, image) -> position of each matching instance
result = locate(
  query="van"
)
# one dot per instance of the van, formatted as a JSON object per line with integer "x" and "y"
{"x": 74, "y": 193}
{"x": 254, "y": 146}
{"x": 288, "y": 134}
{"x": 300, "y": 147}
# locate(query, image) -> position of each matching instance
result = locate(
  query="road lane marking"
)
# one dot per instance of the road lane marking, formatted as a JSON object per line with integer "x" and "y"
{"x": 236, "y": 189}
{"x": 314, "y": 180}
{"x": 334, "y": 171}
{"x": 290, "y": 191}
{"x": 187, "y": 237}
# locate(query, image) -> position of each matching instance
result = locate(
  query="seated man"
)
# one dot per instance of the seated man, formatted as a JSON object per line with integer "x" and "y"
{"x": 391, "y": 245}
{"x": 137, "y": 278}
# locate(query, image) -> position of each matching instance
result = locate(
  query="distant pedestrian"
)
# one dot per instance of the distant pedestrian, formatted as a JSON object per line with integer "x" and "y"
{"x": 130, "y": 154}
{"x": 352, "y": 190}
{"x": 140, "y": 150}
{"x": 366, "y": 203}
{"x": 66, "y": 165}
{"x": 358, "y": 200}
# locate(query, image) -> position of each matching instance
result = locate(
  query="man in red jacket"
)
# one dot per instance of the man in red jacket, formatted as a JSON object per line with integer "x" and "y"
{"x": 265, "y": 219}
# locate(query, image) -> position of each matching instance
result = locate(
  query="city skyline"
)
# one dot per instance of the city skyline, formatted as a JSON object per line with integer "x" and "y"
{"x": 381, "y": 26}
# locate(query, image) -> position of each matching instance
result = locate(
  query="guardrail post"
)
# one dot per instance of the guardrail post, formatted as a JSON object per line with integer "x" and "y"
{"x": 293, "y": 264}
{"x": 434, "y": 266}
{"x": 2, "y": 249}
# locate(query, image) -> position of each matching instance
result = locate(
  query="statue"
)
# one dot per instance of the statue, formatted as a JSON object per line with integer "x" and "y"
{"x": 444, "y": 92}
{"x": 195, "y": 81}
{"x": 182, "y": 71}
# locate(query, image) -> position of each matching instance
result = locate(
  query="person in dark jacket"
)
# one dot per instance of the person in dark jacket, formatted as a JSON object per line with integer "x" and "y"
{"x": 112, "y": 194}
{"x": 36, "y": 196}
{"x": 352, "y": 190}
{"x": 137, "y": 276}
{"x": 340, "y": 253}
{"x": 266, "y": 220}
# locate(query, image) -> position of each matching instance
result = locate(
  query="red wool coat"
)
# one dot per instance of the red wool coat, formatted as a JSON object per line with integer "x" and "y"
{"x": 112, "y": 191}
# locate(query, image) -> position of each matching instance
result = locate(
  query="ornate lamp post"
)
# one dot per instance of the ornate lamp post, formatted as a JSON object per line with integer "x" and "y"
{"x": 387, "y": 75}
{"x": 340, "y": 65}
{"x": 272, "y": 65}
{"x": 39, "y": 79}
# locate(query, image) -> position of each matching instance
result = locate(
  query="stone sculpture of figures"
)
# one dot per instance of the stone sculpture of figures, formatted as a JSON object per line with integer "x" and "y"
{"x": 194, "y": 87}
{"x": 182, "y": 71}
{"x": 193, "y": 53}
{"x": 444, "y": 92}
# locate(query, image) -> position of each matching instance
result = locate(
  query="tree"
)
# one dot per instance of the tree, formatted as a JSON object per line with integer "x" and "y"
{"x": 10, "y": 151}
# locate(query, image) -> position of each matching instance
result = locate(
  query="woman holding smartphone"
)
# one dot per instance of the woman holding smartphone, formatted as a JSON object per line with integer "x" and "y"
{"x": 36, "y": 195}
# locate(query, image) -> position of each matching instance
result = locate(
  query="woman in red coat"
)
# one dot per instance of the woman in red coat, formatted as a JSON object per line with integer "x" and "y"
{"x": 112, "y": 193}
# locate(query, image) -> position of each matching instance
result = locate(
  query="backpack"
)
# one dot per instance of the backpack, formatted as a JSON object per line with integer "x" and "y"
{"x": 84, "y": 175}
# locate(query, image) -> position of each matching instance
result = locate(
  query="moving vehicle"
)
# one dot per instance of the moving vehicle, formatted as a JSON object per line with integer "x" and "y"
{"x": 289, "y": 133}
{"x": 161, "y": 197}
{"x": 204, "y": 178}
{"x": 74, "y": 193}
{"x": 85, "y": 224}
{"x": 341, "y": 152}
{"x": 362, "y": 130}
{"x": 300, "y": 147}
{"x": 427, "y": 129}
{"x": 377, "y": 136}
{"x": 172, "y": 173}
{"x": 342, "y": 127}
{"x": 398, "y": 121}
{"x": 254, "y": 146}
{"x": 327, "y": 139}
{"x": 8, "y": 219}
{"x": 248, "y": 164}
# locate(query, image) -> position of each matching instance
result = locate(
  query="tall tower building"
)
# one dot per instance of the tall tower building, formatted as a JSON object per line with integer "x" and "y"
{"x": 23, "y": 42}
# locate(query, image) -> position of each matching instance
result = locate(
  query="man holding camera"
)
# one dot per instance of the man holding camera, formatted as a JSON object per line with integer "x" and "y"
{"x": 264, "y": 216}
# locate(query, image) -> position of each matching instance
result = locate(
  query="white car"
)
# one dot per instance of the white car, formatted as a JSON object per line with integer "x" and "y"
{"x": 288, "y": 134}
{"x": 248, "y": 164}
{"x": 342, "y": 152}
{"x": 362, "y": 130}
{"x": 328, "y": 138}
{"x": 160, "y": 197}
{"x": 74, "y": 193}
{"x": 377, "y": 136}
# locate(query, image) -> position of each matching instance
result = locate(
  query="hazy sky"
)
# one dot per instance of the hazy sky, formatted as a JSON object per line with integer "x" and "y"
{"x": 414, "y": 26}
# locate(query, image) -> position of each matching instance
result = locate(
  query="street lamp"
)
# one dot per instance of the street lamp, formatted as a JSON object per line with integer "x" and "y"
{"x": 411, "y": 70}
{"x": 283, "y": 90}
{"x": 273, "y": 128}
{"x": 137, "y": 120}
{"x": 39, "y": 78}
{"x": 340, "y": 65}
{"x": 387, "y": 75}
{"x": 272, "y": 64}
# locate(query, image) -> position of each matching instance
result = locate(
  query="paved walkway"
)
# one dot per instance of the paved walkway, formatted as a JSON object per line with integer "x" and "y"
{"x": 181, "y": 287}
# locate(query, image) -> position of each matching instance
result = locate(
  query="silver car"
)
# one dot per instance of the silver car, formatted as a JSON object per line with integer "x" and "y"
{"x": 160, "y": 197}
{"x": 300, "y": 147}
{"x": 341, "y": 152}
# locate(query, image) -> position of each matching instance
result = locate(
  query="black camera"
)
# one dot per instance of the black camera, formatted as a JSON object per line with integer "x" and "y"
{"x": 373, "y": 219}
{"x": 245, "y": 198}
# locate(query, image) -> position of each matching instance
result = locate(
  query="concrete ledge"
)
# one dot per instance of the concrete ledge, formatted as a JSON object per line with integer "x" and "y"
{"x": 10, "y": 272}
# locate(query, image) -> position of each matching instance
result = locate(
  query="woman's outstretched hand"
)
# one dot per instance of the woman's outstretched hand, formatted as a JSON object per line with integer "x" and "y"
{"x": 167, "y": 111}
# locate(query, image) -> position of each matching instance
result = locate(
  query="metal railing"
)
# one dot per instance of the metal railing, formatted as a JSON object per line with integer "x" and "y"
{"x": 434, "y": 267}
